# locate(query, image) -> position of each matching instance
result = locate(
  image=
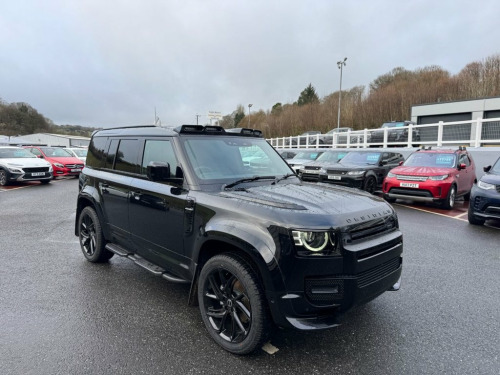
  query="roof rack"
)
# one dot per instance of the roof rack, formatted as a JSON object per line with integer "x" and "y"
{"x": 209, "y": 129}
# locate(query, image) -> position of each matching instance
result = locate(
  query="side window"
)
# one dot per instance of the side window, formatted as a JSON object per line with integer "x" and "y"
{"x": 159, "y": 150}
{"x": 96, "y": 152}
{"x": 110, "y": 156}
{"x": 464, "y": 160}
{"x": 127, "y": 156}
{"x": 35, "y": 151}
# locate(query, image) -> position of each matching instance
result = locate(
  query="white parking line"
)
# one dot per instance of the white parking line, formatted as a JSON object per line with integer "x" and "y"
{"x": 435, "y": 213}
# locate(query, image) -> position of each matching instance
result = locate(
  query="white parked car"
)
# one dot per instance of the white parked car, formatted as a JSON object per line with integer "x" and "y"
{"x": 18, "y": 164}
{"x": 80, "y": 153}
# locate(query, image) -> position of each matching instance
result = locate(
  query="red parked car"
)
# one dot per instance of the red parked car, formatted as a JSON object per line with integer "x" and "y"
{"x": 432, "y": 176}
{"x": 63, "y": 163}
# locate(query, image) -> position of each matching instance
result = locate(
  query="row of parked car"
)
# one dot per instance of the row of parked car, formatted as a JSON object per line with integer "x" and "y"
{"x": 427, "y": 175}
{"x": 34, "y": 163}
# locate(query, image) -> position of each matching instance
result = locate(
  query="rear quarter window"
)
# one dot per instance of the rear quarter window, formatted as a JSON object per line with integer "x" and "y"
{"x": 96, "y": 153}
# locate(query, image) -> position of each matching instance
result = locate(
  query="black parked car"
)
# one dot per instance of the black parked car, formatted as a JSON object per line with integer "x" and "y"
{"x": 310, "y": 171}
{"x": 257, "y": 245}
{"x": 485, "y": 196}
{"x": 362, "y": 169}
{"x": 397, "y": 131}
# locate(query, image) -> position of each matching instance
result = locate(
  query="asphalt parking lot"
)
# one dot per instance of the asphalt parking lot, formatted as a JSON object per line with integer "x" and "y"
{"x": 62, "y": 315}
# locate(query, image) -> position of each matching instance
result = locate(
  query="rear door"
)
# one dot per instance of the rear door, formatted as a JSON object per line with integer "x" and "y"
{"x": 121, "y": 164}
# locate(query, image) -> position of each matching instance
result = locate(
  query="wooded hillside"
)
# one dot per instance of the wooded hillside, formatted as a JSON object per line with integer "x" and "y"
{"x": 388, "y": 98}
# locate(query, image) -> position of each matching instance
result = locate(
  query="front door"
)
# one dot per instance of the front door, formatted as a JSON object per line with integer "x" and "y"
{"x": 156, "y": 212}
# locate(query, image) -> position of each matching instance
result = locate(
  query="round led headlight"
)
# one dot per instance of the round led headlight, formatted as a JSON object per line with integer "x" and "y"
{"x": 314, "y": 241}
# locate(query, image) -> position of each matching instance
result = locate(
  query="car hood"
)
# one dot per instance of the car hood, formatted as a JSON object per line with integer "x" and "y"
{"x": 317, "y": 205}
{"x": 491, "y": 178}
{"x": 299, "y": 161}
{"x": 64, "y": 160}
{"x": 422, "y": 171}
{"x": 25, "y": 162}
{"x": 350, "y": 167}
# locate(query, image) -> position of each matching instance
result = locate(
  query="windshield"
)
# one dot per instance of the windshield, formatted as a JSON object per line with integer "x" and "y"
{"x": 54, "y": 151}
{"x": 307, "y": 155}
{"x": 496, "y": 167}
{"x": 430, "y": 159}
{"x": 13, "y": 153}
{"x": 225, "y": 159}
{"x": 80, "y": 152}
{"x": 333, "y": 156}
{"x": 357, "y": 157}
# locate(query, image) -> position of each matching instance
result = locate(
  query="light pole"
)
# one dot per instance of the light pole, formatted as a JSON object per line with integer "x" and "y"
{"x": 249, "y": 115}
{"x": 340, "y": 64}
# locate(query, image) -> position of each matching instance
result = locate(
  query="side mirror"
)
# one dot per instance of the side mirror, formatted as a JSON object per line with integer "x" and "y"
{"x": 487, "y": 169}
{"x": 40, "y": 156}
{"x": 461, "y": 166}
{"x": 383, "y": 162}
{"x": 401, "y": 162}
{"x": 158, "y": 171}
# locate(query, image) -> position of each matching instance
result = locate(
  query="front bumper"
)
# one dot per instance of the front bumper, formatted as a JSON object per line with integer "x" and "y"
{"x": 67, "y": 171}
{"x": 344, "y": 180}
{"x": 485, "y": 204}
{"x": 321, "y": 289}
{"x": 27, "y": 176}
{"x": 421, "y": 191}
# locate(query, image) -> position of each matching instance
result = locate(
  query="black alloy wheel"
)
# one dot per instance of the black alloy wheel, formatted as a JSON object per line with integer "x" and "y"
{"x": 232, "y": 304}
{"x": 370, "y": 185}
{"x": 91, "y": 237}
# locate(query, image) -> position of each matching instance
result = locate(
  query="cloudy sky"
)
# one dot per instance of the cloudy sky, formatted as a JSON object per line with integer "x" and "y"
{"x": 104, "y": 63}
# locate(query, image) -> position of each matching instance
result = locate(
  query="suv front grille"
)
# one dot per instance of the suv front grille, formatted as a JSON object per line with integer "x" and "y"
{"x": 370, "y": 228}
{"x": 335, "y": 171}
{"x": 411, "y": 178}
{"x": 39, "y": 169}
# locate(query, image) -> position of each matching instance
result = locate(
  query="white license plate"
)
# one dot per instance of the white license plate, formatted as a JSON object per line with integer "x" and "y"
{"x": 38, "y": 174}
{"x": 76, "y": 170}
{"x": 409, "y": 185}
{"x": 311, "y": 171}
{"x": 334, "y": 177}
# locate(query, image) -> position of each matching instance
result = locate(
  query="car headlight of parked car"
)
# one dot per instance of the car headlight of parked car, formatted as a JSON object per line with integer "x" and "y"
{"x": 356, "y": 173}
{"x": 485, "y": 185}
{"x": 322, "y": 171}
{"x": 391, "y": 175}
{"x": 312, "y": 242}
{"x": 15, "y": 168}
{"x": 439, "y": 178}
{"x": 59, "y": 165}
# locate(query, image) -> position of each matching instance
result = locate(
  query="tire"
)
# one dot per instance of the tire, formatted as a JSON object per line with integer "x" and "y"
{"x": 232, "y": 304}
{"x": 389, "y": 199}
{"x": 473, "y": 219}
{"x": 449, "y": 202}
{"x": 3, "y": 178}
{"x": 467, "y": 196}
{"x": 370, "y": 184}
{"x": 91, "y": 237}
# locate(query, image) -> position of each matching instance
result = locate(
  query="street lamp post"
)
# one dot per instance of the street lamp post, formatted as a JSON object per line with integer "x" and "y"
{"x": 340, "y": 64}
{"x": 249, "y": 115}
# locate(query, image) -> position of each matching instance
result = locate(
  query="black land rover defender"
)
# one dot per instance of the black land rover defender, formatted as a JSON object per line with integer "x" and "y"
{"x": 220, "y": 210}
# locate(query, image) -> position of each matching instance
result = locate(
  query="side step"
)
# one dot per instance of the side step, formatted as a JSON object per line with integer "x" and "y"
{"x": 140, "y": 261}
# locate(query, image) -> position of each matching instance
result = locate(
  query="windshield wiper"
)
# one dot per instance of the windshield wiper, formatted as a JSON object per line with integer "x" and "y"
{"x": 283, "y": 177}
{"x": 248, "y": 179}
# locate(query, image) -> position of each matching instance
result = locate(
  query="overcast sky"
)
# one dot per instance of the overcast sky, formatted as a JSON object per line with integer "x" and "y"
{"x": 105, "y": 63}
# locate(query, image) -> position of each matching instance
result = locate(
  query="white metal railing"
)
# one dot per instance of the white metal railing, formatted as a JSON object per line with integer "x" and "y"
{"x": 472, "y": 133}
